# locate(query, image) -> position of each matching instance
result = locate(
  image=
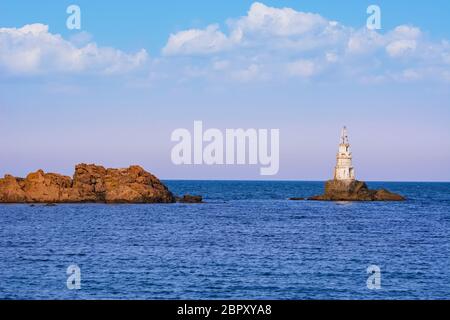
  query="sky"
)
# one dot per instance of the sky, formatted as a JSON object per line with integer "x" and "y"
{"x": 113, "y": 92}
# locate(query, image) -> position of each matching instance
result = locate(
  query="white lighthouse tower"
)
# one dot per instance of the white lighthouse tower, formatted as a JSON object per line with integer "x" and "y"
{"x": 344, "y": 169}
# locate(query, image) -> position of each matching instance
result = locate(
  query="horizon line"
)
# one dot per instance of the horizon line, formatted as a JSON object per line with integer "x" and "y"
{"x": 295, "y": 180}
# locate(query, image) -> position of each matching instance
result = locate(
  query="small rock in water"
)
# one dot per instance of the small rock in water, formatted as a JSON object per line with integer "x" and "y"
{"x": 50, "y": 205}
{"x": 296, "y": 199}
{"x": 190, "y": 199}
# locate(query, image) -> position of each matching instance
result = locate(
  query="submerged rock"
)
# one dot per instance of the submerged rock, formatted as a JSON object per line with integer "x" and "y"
{"x": 353, "y": 190}
{"x": 90, "y": 184}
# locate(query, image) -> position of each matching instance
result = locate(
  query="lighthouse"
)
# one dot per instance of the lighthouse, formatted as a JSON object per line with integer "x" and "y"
{"x": 344, "y": 186}
{"x": 344, "y": 169}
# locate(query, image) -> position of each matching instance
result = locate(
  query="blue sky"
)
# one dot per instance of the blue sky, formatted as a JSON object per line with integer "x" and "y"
{"x": 113, "y": 93}
{"x": 146, "y": 24}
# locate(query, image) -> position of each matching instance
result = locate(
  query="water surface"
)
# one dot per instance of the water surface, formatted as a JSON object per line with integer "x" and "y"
{"x": 248, "y": 241}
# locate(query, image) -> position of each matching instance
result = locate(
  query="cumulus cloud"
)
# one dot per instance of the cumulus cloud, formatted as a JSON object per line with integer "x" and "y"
{"x": 196, "y": 41}
{"x": 283, "y": 41}
{"x": 33, "y": 50}
{"x": 403, "y": 41}
{"x": 266, "y": 44}
{"x": 401, "y": 47}
{"x": 285, "y": 28}
{"x": 264, "y": 20}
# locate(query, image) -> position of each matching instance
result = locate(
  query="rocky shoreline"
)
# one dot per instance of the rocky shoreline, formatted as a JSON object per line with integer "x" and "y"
{"x": 90, "y": 184}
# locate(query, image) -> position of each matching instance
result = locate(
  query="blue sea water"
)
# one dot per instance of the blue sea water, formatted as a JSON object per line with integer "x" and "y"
{"x": 247, "y": 242}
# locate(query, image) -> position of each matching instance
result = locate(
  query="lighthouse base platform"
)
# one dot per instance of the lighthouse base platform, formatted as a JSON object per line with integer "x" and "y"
{"x": 354, "y": 190}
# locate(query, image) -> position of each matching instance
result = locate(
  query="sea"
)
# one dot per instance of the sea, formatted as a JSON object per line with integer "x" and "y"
{"x": 247, "y": 241}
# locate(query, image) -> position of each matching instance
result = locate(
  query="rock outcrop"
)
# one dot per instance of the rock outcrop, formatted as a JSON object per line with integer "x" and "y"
{"x": 90, "y": 184}
{"x": 339, "y": 190}
{"x": 190, "y": 199}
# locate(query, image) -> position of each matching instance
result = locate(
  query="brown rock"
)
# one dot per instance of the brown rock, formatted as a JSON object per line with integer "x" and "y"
{"x": 337, "y": 190}
{"x": 90, "y": 183}
{"x": 11, "y": 191}
{"x": 190, "y": 199}
{"x": 385, "y": 195}
{"x": 41, "y": 187}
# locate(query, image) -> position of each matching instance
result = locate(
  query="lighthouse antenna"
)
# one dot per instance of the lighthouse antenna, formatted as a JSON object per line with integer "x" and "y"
{"x": 344, "y": 136}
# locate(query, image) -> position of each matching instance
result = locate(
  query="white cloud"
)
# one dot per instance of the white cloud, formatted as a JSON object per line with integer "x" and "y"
{"x": 196, "y": 41}
{"x": 406, "y": 32}
{"x": 33, "y": 50}
{"x": 403, "y": 40}
{"x": 266, "y": 44}
{"x": 285, "y": 29}
{"x": 401, "y": 47}
{"x": 264, "y": 20}
{"x": 307, "y": 44}
{"x": 364, "y": 41}
{"x": 81, "y": 38}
